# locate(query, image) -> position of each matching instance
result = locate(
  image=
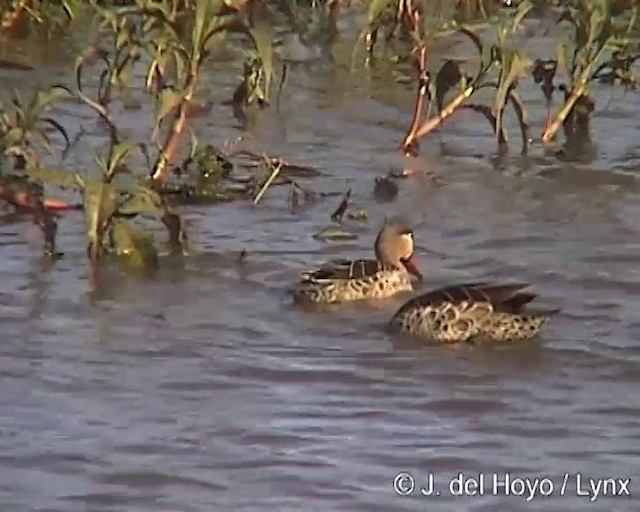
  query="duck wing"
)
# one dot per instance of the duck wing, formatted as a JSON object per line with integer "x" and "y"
{"x": 503, "y": 297}
{"x": 343, "y": 269}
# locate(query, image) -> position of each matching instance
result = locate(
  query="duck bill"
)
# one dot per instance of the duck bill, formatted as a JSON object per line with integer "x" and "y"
{"x": 411, "y": 264}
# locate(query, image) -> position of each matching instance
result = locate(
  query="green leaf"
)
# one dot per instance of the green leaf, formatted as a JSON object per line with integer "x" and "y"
{"x": 108, "y": 15}
{"x": 377, "y": 10}
{"x": 596, "y": 21}
{"x": 15, "y": 136}
{"x": 522, "y": 10}
{"x": 99, "y": 208}
{"x": 205, "y": 20}
{"x": 100, "y": 109}
{"x": 141, "y": 200}
{"x": 123, "y": 36}
{"x": 158, "y": 18}
{"x": 513, "y": 66}
{"x": 116, "y": 159}
{"x": 121, "y": 75}
{"x": 521, "y": 113}
{"x": 262, "y": 35}
{"x": 167, "y": 101}
{"x": 375, "y": 17}
{"x": 45, "y": 98}
{"x": 72, "y": 8}
{"x": 180, "y": 60}
{"x": 102, "y": 164}
{"x": 218, "y": 28}
{"x": 59, "y": 128}
{"x": 134, "y": 246}
{"x": 202, "y": 18}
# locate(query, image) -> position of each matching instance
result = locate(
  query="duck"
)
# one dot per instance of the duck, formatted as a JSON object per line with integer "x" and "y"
{"x": 394, "y": 270}
{"x": 471, "y": 312}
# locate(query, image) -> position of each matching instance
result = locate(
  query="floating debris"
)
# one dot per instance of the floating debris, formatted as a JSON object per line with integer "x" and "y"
{"x": 333, "y": 234}
{"x": 342, "y": 207}
{"x": 250, "y": 159}
{"x": 274, "y": 174}
{"x": 385, "y": 189}
{"x": 359, "y": 215}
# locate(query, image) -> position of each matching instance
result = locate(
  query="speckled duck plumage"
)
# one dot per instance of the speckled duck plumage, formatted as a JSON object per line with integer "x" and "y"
{"x": 392, "y": 272}
{"x": 471, "y": 311}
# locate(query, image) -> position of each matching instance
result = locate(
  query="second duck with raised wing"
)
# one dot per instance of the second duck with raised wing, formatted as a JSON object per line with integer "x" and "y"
{"x": 392, "y": 272}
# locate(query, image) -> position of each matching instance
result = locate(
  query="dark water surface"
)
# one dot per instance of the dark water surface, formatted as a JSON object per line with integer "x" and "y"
{"x": 203, "y": 389}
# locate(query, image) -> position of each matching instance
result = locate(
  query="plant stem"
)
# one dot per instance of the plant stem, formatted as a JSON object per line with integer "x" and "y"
{"x": 433, "y": 123}
{"x": 410, "y": 138}
{"x": 273, "y": 176}
{"x": 576, "y": 92}
{"x": 13, "y": 19}
{"x": 170, "y": 147}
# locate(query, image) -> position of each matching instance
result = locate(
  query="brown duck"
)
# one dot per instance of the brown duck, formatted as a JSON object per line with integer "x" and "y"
{"x": 471, "y": 311}
{"x": 393, "y": 271}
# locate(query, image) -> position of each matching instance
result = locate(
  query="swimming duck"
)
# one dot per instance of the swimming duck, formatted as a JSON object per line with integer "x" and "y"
{"x": 393, "y": 271}
{"x": 471, "y": 311}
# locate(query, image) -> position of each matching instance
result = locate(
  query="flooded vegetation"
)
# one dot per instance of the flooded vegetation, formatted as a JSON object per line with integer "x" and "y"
{"x": 172, "y": 170}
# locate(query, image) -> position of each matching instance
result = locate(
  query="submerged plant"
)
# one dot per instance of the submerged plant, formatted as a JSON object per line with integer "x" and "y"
{"x": 598, "y": 29}
{"x": 109, "y": 203}
{"x": 24, "y": 133}
{"x": 48, "y": 16}
{"x": 170, "y": 40}
{"x": 511, "y": 64}
{"x": 250, "y": 93}
{"x": 174, "y": 37}
{"x": 258, "y": 72}
{"x": 30, "y": 125}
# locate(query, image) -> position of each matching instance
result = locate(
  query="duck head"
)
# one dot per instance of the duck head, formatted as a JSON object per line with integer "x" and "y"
{"x": 394, "y": 246}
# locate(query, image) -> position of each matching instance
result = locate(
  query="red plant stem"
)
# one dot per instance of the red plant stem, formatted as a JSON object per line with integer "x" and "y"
{"x": 24, "y": 200}
{"x": 58, "y": 205}
{"x": 410, "y": 139}
{"x": 172, "y": 143}
{"x": 413, "y": 17}
{"x": 13, "y": 20}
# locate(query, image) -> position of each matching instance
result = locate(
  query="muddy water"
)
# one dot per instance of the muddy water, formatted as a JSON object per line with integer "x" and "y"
{"x": 203, "y": 389}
